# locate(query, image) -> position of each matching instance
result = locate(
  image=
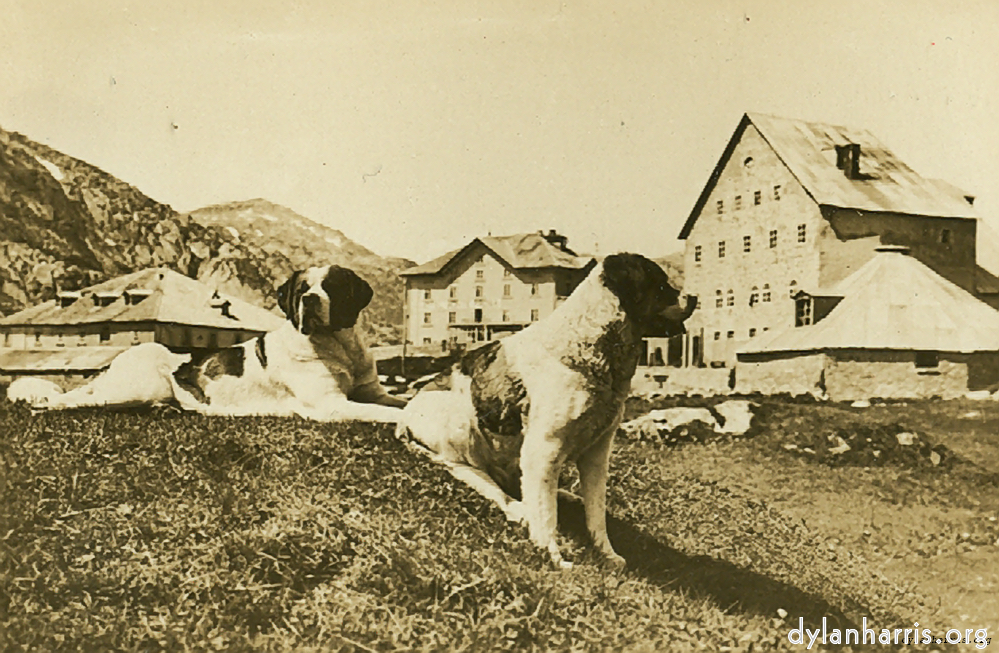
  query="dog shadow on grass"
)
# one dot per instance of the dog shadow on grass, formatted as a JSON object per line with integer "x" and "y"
{"x": 729, "y": 586}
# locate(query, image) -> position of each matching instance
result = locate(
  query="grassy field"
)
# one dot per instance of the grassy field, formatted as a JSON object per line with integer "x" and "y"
{"x": 156, "y": 530}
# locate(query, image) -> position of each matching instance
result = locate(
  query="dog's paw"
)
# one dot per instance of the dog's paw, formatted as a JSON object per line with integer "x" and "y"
{"x": 515, "y": 512}
{"x": 614, "y": 561}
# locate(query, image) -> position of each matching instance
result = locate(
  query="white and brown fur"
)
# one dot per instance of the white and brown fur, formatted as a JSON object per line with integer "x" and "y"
{"x": 316, "y": 365}
{"x": 517, "y": 410}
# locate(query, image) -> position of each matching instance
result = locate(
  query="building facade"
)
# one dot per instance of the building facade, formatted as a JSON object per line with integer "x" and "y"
{"x": 795, "y": 206}
{"x": 490, "y": 288}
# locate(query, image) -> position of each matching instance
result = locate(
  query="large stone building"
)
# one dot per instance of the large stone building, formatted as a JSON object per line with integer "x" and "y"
{"x": 892, "y": 329}
{"x": 489, "y": 288}
{"x": 794, "y": 206}
{"x": 79, "y": 333}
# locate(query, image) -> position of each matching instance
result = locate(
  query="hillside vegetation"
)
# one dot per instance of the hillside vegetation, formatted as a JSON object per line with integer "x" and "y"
{"x": 66, "y": 224}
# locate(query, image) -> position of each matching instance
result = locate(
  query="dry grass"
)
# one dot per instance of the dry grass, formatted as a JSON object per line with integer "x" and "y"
{"x": 155, "y": 530}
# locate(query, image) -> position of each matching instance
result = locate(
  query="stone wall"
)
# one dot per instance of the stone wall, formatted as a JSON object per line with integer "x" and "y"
{"x": 852, "y": 375}
{"x": 794, "y": 374}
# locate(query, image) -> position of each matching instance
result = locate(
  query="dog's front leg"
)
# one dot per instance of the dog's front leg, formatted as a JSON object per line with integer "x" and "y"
{"x": 593, "y": 466}
{"x": 540, "y": 463}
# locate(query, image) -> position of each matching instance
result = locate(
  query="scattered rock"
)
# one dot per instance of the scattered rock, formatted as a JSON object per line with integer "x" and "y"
{"x": 906, "y": 439}
{"x": 861, "y": 403}
{"x": 685, "y": 424}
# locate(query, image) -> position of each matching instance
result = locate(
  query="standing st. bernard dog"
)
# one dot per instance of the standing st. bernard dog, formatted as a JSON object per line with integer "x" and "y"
{"x": 516, "y": 410}
{"x": 315, "y": 365}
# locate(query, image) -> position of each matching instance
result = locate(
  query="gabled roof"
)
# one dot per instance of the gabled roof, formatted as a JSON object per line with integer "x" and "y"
{"x": 520, "y": 251}
{"x": 808, "y": 149}
{"x": 893, "y": 302}
{"x": 172, "y": 299}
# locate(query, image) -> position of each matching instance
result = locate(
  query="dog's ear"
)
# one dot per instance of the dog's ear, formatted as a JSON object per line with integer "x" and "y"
{"x": 349, "y": 294}
{"x": 288, "y": 297}
{"x": 640, "y": 285}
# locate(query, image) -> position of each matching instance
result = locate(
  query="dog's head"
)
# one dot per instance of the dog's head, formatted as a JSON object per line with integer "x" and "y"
{"x": 646, "y": 296}
{"x": 324, "y": 299}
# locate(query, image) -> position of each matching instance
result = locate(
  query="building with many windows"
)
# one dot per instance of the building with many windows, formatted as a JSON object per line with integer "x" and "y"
{"x": 79, "y": 333}
{"x": 489, "y": 288}
{"x": 797, "y": 206}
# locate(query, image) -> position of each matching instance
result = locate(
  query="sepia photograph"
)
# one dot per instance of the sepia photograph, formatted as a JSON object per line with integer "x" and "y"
{"x": 499, "y": 325}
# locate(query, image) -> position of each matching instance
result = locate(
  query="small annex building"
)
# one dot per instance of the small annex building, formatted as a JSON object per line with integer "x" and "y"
{"x": 892, "y": 329}
{"x": 79, "y": 333}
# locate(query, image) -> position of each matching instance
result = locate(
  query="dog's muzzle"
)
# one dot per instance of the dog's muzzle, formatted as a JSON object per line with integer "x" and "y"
{"x": 312, "y": 319}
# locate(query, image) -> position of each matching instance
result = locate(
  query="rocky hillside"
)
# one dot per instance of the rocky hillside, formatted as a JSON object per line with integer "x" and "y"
{"x": 283, "y": 235}
{"x": 65, "y": 224}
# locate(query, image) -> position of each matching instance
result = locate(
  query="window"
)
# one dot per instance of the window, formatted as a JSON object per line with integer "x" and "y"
{"x": 773, "y": 238}
{"x": 697, "y": 253}
{"x": 752, "y": 333}
{"x": 452, "y": 317}
{"x": 927, "y": 359}
{"x": 731, "y": 298}
{"x": 721, "y": 206}
{"x": 427, "y": 341}
{"x": 426, "y": 294}
{"x": 777, "y": 192}
{"x": 478, "y": 315}
{"x": 738, "y": 202}
{"x": 730, "y": 335}
{"x": 793, "y": 288}
{"x": 754, "y": 297}
{"x": 38, "y": 338}
{"x": 534, "y": 289}
{"x": 721, "y": 249}
{"x": 105, "y": 334}
{"x": 506, "y": 290}
{"x": 427, "y": 318}
{"x": 452, "y": 292}
{"x": 719, "y": 300}
{"x": 480, "y": 274}
{"x": 717, "y": 335}
{"x": 747, "y": 244}
{"x": 506, "y": 316}
{"x": 757, "y": 198}
{"x": 766, "y": 293}
{"x": 60, "y": 342}
{"x": 534, "y": 315}
{"x": 803, "y": 311}
{"x": 945, "y": 236}
{"x": 802, "y": 233}
{"x": 478, "y": 291}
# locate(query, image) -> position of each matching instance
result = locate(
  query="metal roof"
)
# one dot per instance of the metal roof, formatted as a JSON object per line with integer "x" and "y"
{"x": 893, "y": 302}
{"x": 66, "y": 359}
{"x": 173, "y": 299}
{"x": 808, "y": 149}
{"x": 519, "y": 251}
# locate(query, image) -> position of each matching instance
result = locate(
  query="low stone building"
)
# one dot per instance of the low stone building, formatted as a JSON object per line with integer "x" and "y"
{"x": 892, "y": 329}
{"x": 79, "y": 333}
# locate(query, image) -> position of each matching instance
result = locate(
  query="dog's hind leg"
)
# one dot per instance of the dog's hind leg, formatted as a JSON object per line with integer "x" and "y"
{"x": 593, "y": 467}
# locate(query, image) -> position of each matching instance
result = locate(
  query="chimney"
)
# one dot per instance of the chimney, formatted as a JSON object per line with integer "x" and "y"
{"x": 848, "y": 159}
{"x": 557, "y": 239}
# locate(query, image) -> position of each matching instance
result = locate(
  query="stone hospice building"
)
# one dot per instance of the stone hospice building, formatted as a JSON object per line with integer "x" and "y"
{"x": 796, "y": 206}
{"x": 491, "y": 287}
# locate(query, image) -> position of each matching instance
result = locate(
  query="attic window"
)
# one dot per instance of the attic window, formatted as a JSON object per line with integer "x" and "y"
{"x": 748, "y": 162}
{"x": 848, "y": 159}
{"x": 105, "y": 298}
{"x": 738, "y": 202}
{"x": 757, "y": 198}
{"x": 136, "y": 295}
{"x": 720, "y": 204}
{"x": 66, "y": 298}
{"x": 697, "y": 253}
{"x": 719, "y": 300}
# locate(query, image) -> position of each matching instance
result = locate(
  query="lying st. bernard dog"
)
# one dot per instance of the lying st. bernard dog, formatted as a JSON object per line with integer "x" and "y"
{"x": 516, "y": 410}
{"x": 315, "y": 365}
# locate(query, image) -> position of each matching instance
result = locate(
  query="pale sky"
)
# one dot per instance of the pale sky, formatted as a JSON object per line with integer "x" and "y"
{"x": 413, "y": 126}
